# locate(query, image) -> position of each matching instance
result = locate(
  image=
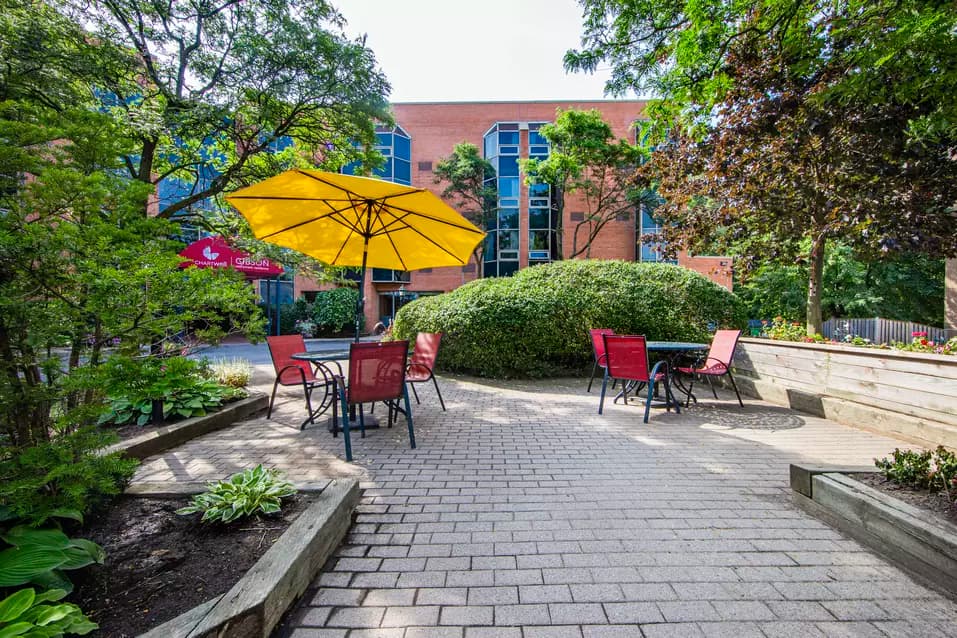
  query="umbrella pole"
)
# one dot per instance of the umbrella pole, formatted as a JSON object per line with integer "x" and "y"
{"x": 360, "y": 303}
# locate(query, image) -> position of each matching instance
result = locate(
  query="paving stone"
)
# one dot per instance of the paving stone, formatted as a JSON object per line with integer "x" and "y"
{"x": 493, "y": 632}
{"x": 467, "y": 615}
{"x": 420, "y": 615}
{"x": 576, "y": 613}
{"x": 493, "y": 596}
{"x": 522, "y": 486}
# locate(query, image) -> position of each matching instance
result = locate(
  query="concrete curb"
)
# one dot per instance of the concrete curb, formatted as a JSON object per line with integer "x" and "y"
{"x": 256, "y": 604}
{"x": 179, "y": 489}
{"x": 912, "y": 539}
{"x": 157, "y": 440}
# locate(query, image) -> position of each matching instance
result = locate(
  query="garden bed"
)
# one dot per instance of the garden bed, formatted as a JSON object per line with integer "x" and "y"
{"x": 937, "y": 504}
{"x": 160, "y": 565}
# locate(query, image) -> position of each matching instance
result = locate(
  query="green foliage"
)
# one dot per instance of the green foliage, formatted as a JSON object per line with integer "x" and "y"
{"x": 132, "y": 385}
{"x": 40, "y": 556}
{"x": 258, "y": 490}
{"x": 906, "y": 287}
{"x": 784, "y": 330}
{"x": 68, "y": 473}
{"x": 334, "y": 309}
{"x": 28, "y": 614}
{"x": 936, "y": 471}
{"x": 536, "y": 322}
{"x": 232, "y": 373}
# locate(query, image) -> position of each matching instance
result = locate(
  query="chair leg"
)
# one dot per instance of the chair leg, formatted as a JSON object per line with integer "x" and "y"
{"x": 415, "y": 394}
{"x": 309, "y": 417}
{"x": 651, "y": 393}
{"x": 594, "y": 369}
{"x": 604, "y": 386}
{"x": 713, "y": 391}
{"x": 362, "y": 422}
{"x": 408, "y": 416}
{"x": 735, "y": 386}
{"x": 345, "y": 425}
{"x": 690, "y": 388}
{"x": 670, "y": 396}
{"x": 275, "y": 386}
{"x": 436, "y": 384}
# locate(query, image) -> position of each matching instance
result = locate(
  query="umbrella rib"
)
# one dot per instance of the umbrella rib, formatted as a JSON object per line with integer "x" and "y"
{"x": 388, "y": 235}
{"x": 469, "y": 228}
{"x": 351, "y": 192}
{"x": 434, "y": 243}
{"x": 331, "y": 215}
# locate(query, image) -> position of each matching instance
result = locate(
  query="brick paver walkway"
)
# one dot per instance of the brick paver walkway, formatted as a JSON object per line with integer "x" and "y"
{"x": 524, "y": 514}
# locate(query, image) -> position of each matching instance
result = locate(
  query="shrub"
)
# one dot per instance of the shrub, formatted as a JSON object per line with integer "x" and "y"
{"x": 68, "y": 473}
{"x": 334, "y": 309}
{"x": 907, "y": 467}
{"x": 232, "y": 373}
{"x": 536, "y": 322}
{"x": 254, "y": 491}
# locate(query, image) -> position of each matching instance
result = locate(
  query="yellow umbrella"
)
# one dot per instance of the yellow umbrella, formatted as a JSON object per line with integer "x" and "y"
{"x": 345, "y": 220}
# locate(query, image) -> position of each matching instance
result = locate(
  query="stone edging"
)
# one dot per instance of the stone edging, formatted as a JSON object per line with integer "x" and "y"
{"x": 157, "y": 440}
{"x": 907, "y": 536}
{"x": 256, "y": 604}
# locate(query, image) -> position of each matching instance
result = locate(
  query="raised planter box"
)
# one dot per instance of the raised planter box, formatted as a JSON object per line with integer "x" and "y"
{"x": 908, "y": 395}
{"x": 256, "y": 604}
{"x": 905, "y": 535}
{"x": 156, "y": 440}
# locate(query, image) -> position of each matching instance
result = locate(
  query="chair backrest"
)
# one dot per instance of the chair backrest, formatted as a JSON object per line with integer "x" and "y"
{"x": 281, "y": 350}
{"x": 626, "y": 356}
{"x": 598, "y": 343}
{"x": 377, "y": 371}
{"x": 722, "y": 347}
{"x": 426, "y": 349}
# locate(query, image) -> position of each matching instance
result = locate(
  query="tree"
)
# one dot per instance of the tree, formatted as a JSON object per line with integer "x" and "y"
{"x": 81, "y": 268}
{"x": 213, "y": 88}
{"x": 907, "y": 287}
{"x": 585, "y": 159}
{"x": 794, "y": 120}
{"x": 470, "y": 187}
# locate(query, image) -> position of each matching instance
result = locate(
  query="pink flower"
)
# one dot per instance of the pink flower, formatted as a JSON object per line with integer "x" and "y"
{"x": 918, "y": 334}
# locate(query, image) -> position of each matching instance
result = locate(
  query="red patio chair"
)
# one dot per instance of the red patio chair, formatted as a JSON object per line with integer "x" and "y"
{"x": 291, "y": 372}
{"x": 598, "y": 346}
{"x": 422, "y": 363}
{"x": 626, "y": 358}
{"x": 376, "y": 373}
{"x": 717, "y": 363}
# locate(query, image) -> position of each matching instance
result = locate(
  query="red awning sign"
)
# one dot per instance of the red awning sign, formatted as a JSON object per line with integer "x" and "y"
{"x": 214, "y": 252}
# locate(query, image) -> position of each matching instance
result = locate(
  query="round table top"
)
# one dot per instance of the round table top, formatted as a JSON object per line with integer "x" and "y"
{"x": 676, "y": 345}
{"x": 322, "y": 355}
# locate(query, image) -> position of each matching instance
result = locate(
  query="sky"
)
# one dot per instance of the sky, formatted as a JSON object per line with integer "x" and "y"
{"x": 467, "y": 50}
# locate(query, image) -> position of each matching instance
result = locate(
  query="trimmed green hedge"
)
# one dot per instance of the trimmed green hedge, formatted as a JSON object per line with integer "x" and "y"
{"x": 535, "y": 323}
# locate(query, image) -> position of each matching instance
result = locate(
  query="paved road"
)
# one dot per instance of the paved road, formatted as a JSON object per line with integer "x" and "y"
{"x": 524, "y": 514}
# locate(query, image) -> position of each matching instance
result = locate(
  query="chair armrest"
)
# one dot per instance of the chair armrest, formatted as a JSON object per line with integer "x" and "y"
{"x": 420, "y": 366}
{"x": 302, "y": 374}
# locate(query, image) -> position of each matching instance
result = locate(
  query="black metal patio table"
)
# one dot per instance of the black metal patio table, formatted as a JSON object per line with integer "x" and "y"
{"x": 672, "y": 351}
{"x": 320, "y": 360}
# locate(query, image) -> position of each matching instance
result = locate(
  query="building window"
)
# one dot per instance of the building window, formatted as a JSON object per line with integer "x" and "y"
{"x": 396, "y": 147}
{"x": 515, "y": 215}
{"x": 647, "y": 223}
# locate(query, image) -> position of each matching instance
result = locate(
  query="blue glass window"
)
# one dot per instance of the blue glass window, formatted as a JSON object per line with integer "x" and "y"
{"x": 491, "y": 146}
{"x": 401, "y": 146}
{"x": 534, "y": 137}
{"x": 403, "y": 171}
{"x": 508, "y": 218}
{"x": 508, "y": 150}
{"x": 508, "y": 240}
{"x": 538, "y": 190}
{"x": 538, "y": 218}
{"x": 508, "y": 137}
{"x": 508, "y": 166}
{"x": 384, "y": 140}
{"x": 508, "y": 187}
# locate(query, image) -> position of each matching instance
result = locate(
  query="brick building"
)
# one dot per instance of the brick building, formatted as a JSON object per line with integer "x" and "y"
{"x": 523, "y": 232}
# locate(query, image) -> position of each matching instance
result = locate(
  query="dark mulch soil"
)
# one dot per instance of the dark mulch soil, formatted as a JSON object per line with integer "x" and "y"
{"x": 159, "y": 564}
{"x": 938, "y": 505}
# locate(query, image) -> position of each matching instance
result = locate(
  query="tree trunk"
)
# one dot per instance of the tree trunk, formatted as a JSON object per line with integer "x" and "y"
{"x": 560, "y": 217}
{"x": 816, "y": 278}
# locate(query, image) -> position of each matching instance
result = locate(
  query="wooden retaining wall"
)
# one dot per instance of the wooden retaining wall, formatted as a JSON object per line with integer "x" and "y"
{"x": 907, "y": 394}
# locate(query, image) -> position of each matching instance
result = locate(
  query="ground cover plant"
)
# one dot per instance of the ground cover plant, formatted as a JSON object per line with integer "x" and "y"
{"x": 536, "y": 322}
{"x": 780, "y": 329}
{"x": 255, "y": 491}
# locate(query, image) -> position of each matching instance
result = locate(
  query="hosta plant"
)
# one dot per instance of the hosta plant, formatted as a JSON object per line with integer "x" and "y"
{"x": 40, "y": 556}
{"x": 255, "y": 491}
{"x": 28, "y": 614}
